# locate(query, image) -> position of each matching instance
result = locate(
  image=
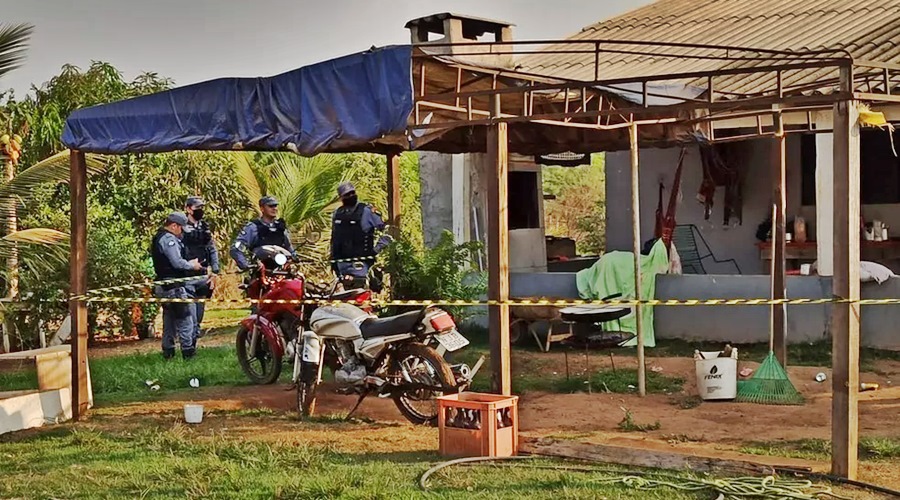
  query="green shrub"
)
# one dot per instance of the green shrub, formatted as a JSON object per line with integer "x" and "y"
{"x": 444, "y": 272}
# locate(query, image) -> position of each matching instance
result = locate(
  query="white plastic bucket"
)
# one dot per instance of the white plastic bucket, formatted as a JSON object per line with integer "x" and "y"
{"x": 716, "y": 377}
{"x": 193, "y": 414}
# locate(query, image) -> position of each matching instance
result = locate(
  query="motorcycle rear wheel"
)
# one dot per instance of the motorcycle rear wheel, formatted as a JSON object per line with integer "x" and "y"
{"x": 417, "y": 358}
{"x": 263, "y": 366}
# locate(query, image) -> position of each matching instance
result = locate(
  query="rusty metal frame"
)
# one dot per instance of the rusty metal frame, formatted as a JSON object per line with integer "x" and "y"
{"x": 460, "y": 107}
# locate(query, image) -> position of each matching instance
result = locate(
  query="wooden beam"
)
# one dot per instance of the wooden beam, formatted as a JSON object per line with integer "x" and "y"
{"x": 636, "y": 246}
{"x": 78, "y": 283}
{"x": 393, "y": 193}
{"x": 845, "y": 316}
{"x": 498, "y": 252}
{"x": 779, "y": 199}
{"x": 657, "y": 459}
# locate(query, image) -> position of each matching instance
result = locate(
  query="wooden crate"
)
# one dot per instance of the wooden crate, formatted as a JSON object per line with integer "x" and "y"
{"x": 473, "y": 424}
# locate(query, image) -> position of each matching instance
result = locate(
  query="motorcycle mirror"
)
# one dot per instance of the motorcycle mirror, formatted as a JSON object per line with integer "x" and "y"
{"x": 280, "y": 259}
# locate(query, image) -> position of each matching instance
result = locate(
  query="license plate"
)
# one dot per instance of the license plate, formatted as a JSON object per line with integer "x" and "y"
{"x": 452, "y": 340}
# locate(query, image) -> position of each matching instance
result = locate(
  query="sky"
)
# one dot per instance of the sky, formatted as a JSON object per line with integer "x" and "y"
{"x": 196, "y": 40}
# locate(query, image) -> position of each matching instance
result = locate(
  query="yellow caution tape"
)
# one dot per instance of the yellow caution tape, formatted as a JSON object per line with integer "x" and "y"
{"x": 188, "y": 279}
{"x": 511, "y": 302}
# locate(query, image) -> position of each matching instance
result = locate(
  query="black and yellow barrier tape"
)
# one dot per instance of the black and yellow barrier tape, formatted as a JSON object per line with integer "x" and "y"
{"x": 511, "y": 302}
{"x": 188, "y": 279}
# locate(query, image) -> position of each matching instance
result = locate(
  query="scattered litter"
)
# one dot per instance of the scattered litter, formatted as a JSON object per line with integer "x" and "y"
{"x": 868, "y": 387}
{"x": 656, "y": 369}
{"x": 820, "y": 377}
{"x": 746, "y": 372}
{"x": 195, "y": 382}
{"x": 154, "y": 387}
{"x": 631, "y": 387}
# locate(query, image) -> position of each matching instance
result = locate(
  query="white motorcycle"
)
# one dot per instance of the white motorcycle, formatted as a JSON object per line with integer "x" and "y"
{"x": 399, "y": 357}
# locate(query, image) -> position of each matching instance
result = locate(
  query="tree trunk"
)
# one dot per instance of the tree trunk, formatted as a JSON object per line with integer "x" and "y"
{"x": 12, "y": 262}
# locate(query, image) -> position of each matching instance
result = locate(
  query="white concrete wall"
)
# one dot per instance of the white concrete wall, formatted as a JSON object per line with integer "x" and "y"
{"x": 452, "y": 185}
{"x": 726, "y": 242}
{"x": 436, "y": 180}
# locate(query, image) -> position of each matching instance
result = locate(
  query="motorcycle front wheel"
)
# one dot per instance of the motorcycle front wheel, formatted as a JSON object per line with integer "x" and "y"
{"x": 424, "y": 366}
{"x": 306, "y": 398}
{"x": 262, "y": 366}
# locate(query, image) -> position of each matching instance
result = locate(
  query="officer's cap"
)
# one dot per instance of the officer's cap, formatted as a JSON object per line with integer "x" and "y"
{"x": 194, "y": 202}
{"x": 268, "y": 201}
{"x": 177, "y": 218}
{"x": 345, "y": 188}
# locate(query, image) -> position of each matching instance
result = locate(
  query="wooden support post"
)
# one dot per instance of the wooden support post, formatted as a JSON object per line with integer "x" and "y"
{"x": 78, "y": 283}
{"x": 778, "y": 291}
{"x": 498, "y": 252}
{"x": 393, "y": 192}
{"x": 636, "y": 242}
{"x": 845, "y": 316}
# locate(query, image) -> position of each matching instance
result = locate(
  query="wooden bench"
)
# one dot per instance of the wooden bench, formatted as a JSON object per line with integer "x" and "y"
{"x": 52, "y": 400}
{"x": 54, "y": 365}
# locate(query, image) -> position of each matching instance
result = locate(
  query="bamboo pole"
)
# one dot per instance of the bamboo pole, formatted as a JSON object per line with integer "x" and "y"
{"x": 779, "y": 176}
{"x": 636, "y": 241}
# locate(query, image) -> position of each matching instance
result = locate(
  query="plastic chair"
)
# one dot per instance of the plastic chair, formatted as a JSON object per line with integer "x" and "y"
{"x": 685, "y": 239}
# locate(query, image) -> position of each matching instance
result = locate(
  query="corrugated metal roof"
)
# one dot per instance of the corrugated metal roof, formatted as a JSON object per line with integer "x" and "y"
{"x": 868, "y": 29}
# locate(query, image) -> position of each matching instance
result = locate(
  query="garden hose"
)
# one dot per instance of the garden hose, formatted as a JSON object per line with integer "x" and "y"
{"x": 731, "y": 488}
{"x": 839, "y": 479}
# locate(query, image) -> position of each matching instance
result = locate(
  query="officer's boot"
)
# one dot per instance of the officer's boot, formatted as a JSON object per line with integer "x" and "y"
{"x": 168, "y": 353}
{"x": 187, "y": 354}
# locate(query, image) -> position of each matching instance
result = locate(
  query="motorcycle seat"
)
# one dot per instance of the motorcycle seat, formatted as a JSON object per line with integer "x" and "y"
{"x": 392, "y": 325}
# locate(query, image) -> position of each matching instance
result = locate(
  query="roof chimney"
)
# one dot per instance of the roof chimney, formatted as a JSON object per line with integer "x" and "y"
{"x": 455, "y": 28}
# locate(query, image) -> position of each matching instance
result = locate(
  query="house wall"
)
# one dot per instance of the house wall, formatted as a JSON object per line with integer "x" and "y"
{"x": 735, "y": 241}
{"x": 739, "y": 324}
{"x": 527, "y": 247}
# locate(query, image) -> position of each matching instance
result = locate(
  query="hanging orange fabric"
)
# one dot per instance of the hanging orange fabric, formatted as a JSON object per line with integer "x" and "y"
{"x": 668, "y": 223}
{"x": 658, "y": 228}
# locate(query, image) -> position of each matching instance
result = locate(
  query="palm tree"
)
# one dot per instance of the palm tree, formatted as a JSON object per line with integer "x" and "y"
{"x": 304, "y": 187}
{"x": 13, "y": 44}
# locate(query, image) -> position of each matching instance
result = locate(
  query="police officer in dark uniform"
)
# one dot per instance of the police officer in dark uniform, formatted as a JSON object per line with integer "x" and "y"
{"x": 354, "y": 227}
{"x": 268, "y": 229}
{"x": 170, "y": 261}
{"x": 199, "y": 244}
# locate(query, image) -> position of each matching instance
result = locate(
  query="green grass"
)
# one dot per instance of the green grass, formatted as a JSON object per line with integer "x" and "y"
{"x": 810, "y": 354}
{"x": 534, "y": 376}
{"x": 820, "y": 449}
{"x": 226, "y": 314}
{"x": 181, "y": 462}
{"x": 123, "y": 378}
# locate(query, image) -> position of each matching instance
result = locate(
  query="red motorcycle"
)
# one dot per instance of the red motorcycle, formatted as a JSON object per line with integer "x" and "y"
{"x": 271, "y": 331}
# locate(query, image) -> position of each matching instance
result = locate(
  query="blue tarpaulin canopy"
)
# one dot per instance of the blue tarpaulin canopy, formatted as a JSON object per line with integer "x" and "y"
{"x": 338, "y": 105}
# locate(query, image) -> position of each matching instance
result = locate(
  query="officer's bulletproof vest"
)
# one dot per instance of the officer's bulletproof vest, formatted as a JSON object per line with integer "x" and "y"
{"x": 164, "y": 269}
{"x": 197, "y": 242}
{"x": 349, "y": 241}
{"x": 270, "y": 235}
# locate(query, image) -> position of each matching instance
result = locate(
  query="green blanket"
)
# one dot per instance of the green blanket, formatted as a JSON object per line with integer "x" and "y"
{"x": 614, "y": 273}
